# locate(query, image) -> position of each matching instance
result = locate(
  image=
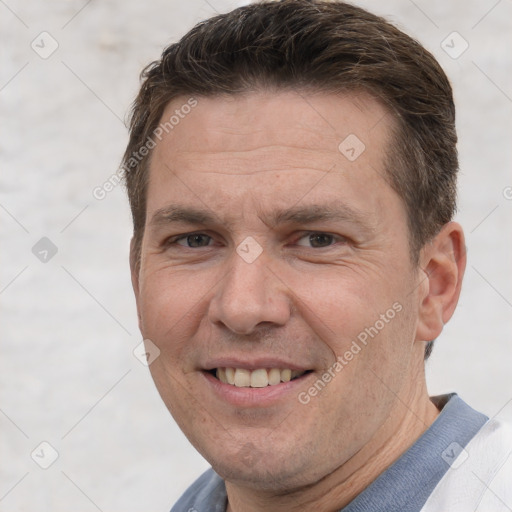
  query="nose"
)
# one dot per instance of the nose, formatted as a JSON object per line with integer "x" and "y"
{"x": 249, "y": 296}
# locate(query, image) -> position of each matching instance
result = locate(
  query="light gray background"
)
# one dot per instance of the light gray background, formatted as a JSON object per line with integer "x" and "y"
{"x": 68, "y": 375}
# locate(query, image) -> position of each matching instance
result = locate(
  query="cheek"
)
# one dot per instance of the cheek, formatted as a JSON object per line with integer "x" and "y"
{"x": 367, "y": 325}
{"x": 170, "y": 307}
{"x": 363, "y": 382}
{"x": 337, "y": 304}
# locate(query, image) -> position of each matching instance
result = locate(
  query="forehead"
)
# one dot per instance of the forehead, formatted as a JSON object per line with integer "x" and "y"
{"x": 308, "y": 122}
{"x": 271, "y": 149}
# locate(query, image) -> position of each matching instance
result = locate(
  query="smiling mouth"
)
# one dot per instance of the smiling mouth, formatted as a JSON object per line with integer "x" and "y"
{"x": 259, "y": 378}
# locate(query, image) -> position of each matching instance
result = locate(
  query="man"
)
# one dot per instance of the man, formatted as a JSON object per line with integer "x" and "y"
{"x": 291, "y": 171}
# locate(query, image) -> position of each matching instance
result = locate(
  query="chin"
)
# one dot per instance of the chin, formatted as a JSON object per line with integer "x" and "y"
{"x": 273, "y": 472}
{"x": 261, "y": 477}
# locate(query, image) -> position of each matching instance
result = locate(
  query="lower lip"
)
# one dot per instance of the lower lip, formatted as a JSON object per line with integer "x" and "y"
{"x": 256, "y": 397}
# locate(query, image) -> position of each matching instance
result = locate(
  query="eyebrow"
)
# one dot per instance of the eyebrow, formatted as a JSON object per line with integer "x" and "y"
{"x": 314, "y": 213}
{"x": 302, "y": 215}
{"x": 171, "y": 214}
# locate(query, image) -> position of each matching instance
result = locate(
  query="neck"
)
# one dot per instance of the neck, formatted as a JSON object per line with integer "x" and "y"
{"x": 411, "y": 415}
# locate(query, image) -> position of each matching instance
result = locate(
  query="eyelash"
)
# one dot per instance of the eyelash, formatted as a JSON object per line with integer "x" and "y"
{"x": 335, "y": 238}
{"x": 174, "y": 240}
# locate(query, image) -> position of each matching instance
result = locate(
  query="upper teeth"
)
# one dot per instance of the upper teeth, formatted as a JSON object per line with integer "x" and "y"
{"x": 259, "y": 378}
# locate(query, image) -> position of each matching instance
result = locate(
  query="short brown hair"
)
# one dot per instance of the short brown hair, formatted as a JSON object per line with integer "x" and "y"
{"x": 323, "y": 46}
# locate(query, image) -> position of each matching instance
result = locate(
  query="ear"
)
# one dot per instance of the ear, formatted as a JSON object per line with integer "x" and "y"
{"x": 443, "y": 262}
{"x": 135, "y": 272}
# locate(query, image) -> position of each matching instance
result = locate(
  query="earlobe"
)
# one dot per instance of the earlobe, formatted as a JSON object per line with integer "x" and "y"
{"x": 443, "y": 262}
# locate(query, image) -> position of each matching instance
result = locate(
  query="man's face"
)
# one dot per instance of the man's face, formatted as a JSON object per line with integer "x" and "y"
{"x": 268, "y": 247}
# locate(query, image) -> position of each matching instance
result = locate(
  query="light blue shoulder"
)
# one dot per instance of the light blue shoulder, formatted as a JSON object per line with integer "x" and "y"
{"x": 206, "y": 494}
